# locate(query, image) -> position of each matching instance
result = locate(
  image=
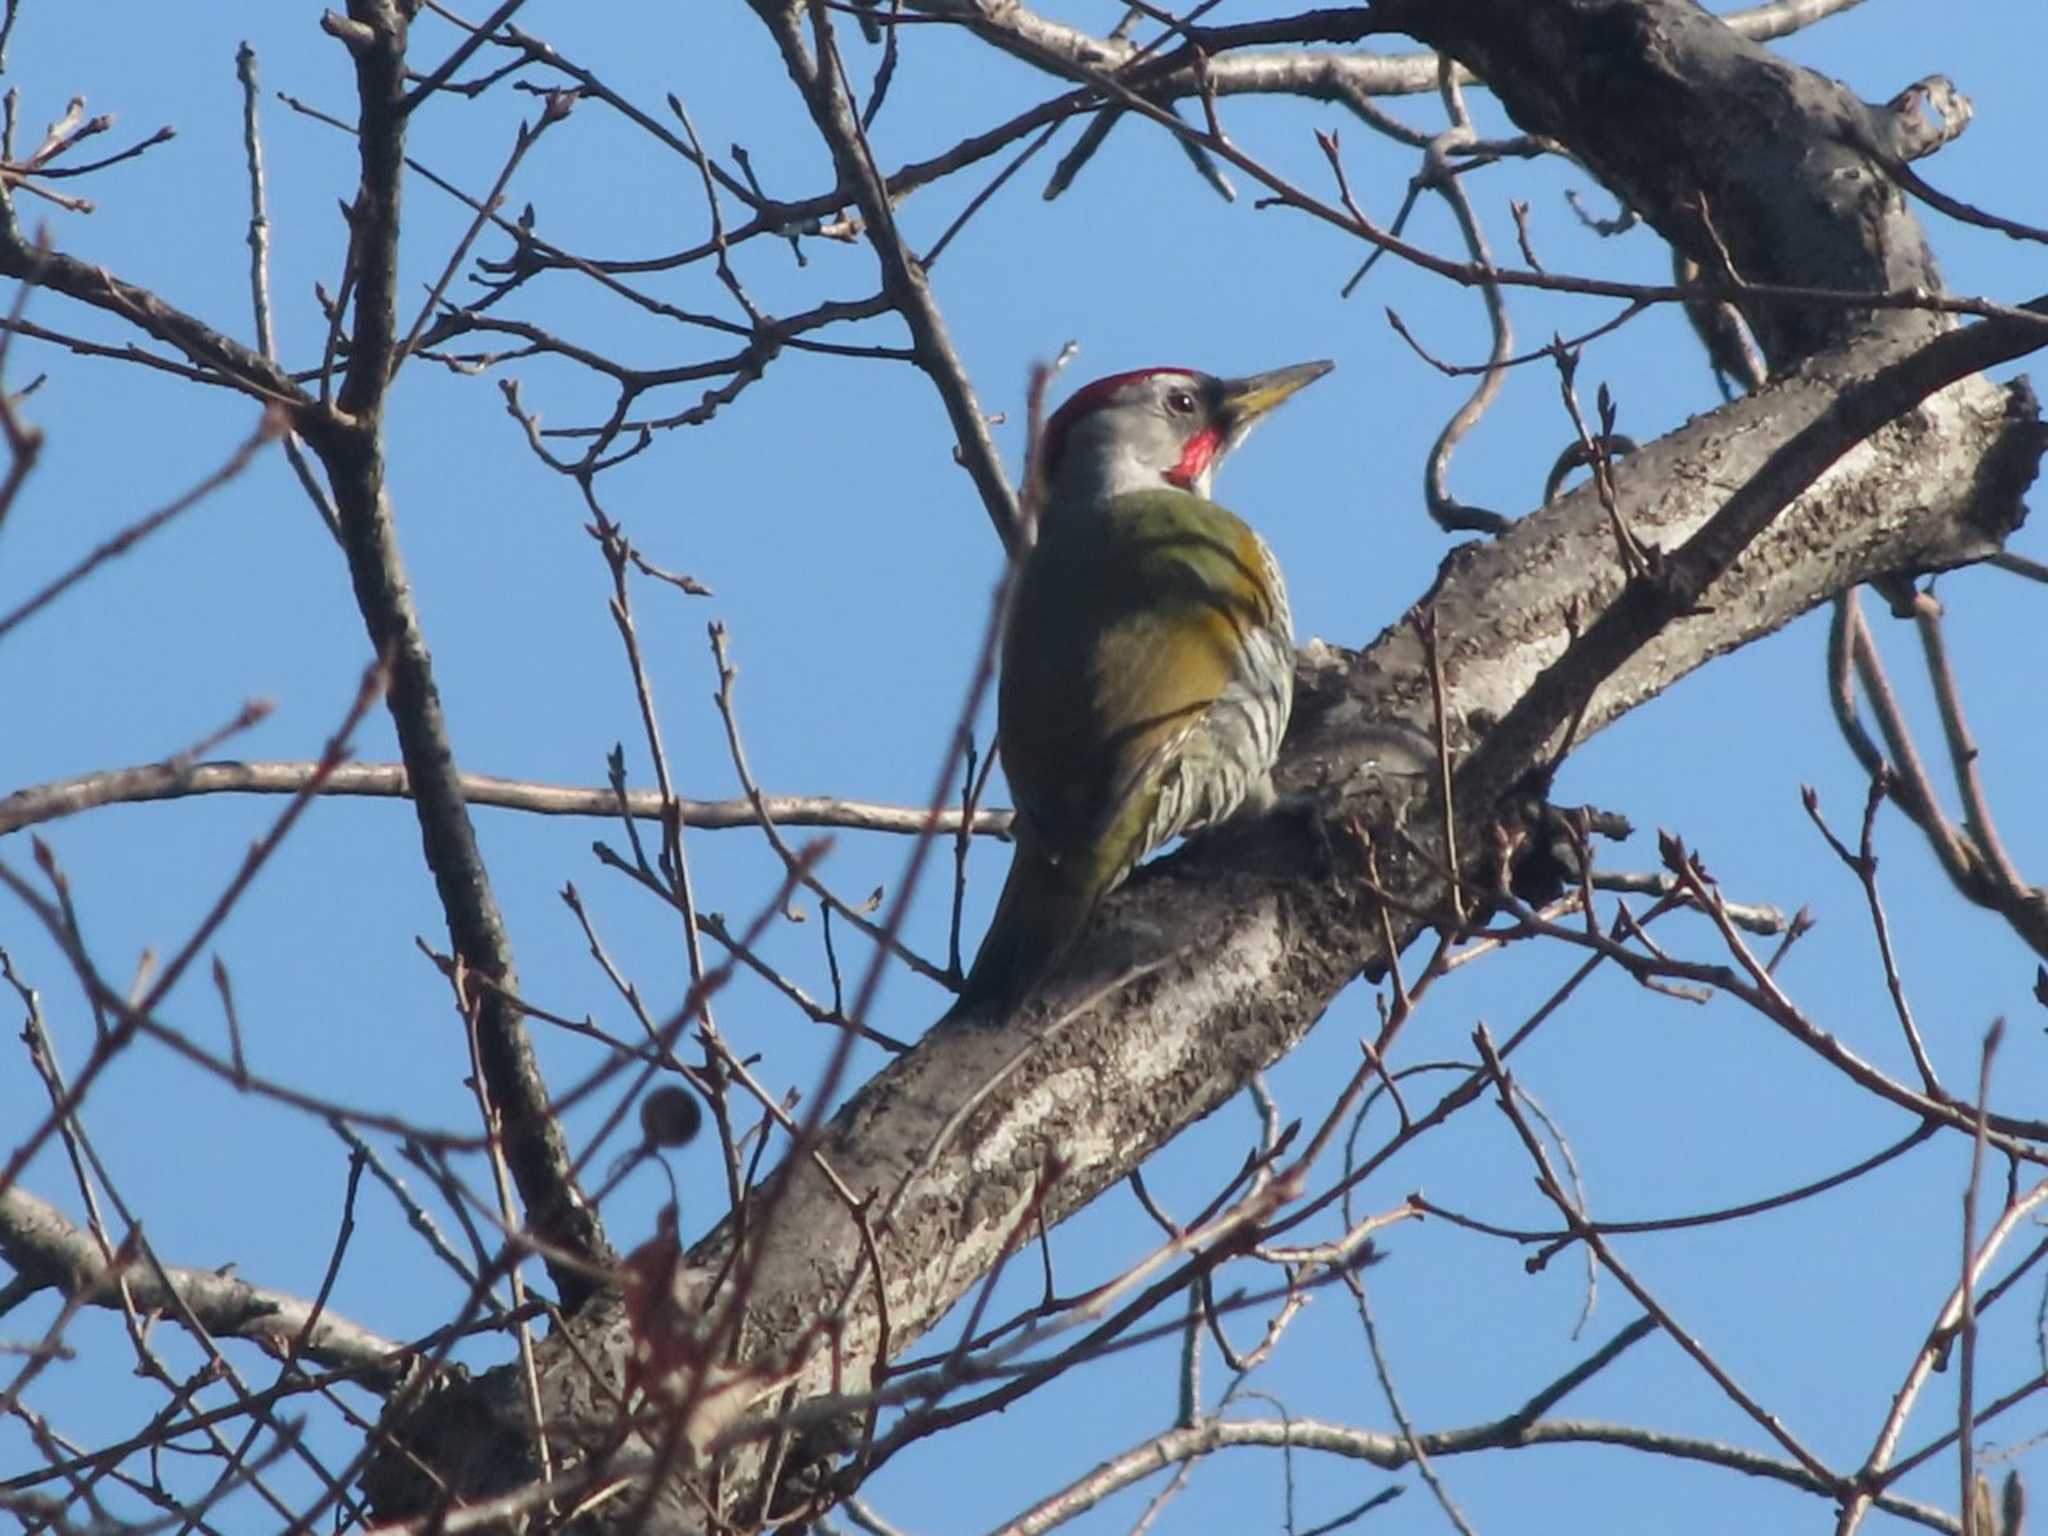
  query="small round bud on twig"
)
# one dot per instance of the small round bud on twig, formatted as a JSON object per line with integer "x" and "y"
{"x": 670, "y": 1117}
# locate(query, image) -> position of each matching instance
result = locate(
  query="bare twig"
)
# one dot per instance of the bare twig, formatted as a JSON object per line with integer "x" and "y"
{"x": 270, "y": 427}
{"x": 176, "y": 779}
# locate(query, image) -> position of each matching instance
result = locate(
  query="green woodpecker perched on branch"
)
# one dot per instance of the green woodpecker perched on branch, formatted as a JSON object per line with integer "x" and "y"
{"x": 1148, "y": 666}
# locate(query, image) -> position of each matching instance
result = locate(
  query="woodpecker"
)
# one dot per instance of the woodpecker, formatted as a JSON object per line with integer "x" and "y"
{"x": 1148, "y": 660}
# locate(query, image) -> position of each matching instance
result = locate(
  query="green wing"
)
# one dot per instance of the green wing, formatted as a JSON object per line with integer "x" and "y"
{"x": 1131, "y": 617}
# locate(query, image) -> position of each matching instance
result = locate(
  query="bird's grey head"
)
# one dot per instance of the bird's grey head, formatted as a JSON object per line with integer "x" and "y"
{"x": 1156, "y": 426}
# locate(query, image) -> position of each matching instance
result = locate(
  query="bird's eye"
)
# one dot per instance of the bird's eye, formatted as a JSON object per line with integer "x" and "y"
{"x": 1181, "y": 403}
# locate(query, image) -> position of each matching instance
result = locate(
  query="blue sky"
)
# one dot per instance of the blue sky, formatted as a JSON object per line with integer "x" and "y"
{"x": 853, "y": 567}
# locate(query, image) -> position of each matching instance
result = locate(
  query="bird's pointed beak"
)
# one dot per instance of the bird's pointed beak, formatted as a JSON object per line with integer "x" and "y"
{"x": 1245, "y": 401}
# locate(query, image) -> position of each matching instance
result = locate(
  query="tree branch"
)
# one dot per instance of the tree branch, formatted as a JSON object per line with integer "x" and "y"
{"x": 1239, "y": 951}
{"x": 48, "y": 1250}
{"x": 177, "y": 779}
{"x": 349, "y": 441}
{"x": 818, "y": 78}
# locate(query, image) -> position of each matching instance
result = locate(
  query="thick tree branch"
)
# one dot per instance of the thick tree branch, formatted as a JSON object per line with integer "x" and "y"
{"x": 1678, "y": 587}
{"x": 45, "y": 1249}
{"x": 1352, "y": 75}
{"x": 1760, "y": 173}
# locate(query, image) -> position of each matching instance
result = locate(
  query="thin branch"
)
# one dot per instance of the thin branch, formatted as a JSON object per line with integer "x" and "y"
{"x": 270, "y": 427}
{"x": 259, "y": 275}
{"x": 822, "y": 81}
{"x": 1548, "y": 1183}
{"x": 176, "y": 779}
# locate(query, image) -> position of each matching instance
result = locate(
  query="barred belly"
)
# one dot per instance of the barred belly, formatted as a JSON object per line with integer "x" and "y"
{"x": 1226, "y": 758}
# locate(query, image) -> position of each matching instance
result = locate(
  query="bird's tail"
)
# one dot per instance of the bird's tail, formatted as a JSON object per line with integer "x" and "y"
{"x": 1040, "y": 914}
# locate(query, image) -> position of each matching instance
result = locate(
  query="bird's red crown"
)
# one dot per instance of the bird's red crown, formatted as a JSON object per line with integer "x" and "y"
{"x": 1090, "y": 397}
